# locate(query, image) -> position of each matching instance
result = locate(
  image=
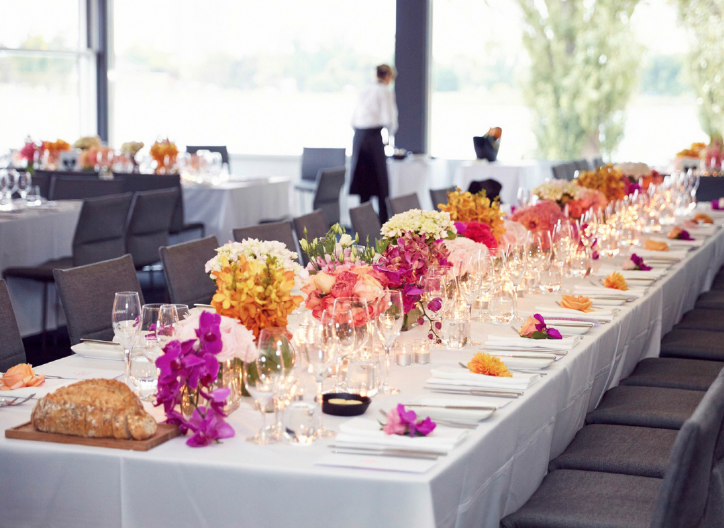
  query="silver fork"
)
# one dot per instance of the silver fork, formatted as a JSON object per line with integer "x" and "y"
{"x": 14, "y": 401}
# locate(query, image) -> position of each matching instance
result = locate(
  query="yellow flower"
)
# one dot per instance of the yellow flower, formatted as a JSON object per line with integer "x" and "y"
{"x": 656, "y": 245}
{"x": 702, "y": 218}
{"x": 489, "y": 365}
{"x": 615, "y": 281}
{"x": 607, "y": 179}
{"x": 468, "y": 207}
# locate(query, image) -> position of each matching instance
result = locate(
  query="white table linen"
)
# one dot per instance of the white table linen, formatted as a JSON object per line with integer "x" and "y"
{"x": 491, "y": 473}
{"x": 511, "y": 175}
{"x": 417, "y": 174}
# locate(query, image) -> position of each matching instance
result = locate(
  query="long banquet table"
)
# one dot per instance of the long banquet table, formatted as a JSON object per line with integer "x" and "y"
{"x": 492, "y": 473}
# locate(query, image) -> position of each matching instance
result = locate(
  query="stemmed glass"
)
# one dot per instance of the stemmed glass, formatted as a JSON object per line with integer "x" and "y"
{"x": 25, "y": 184}
{"x": 470, "y": 275}
{"x": 487, "y": 284}
{"x": 166, "y": 324}
{"x": 143, "y": 365}
{"x": 390, "y": 317}
{"x": 321, "y": 345}
{"x": 126, "y": 325}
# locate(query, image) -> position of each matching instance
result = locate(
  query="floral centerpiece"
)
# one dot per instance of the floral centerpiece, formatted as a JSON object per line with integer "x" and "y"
{"x": 28, "y": 154}
{"x": 465, "y": 207}
{"x": 415, "y": 242}
{"x": 607, "y": 179}
{"x": 189, "y": 372}
{"x": 51, "y": 150}
{"x": 164, "y": 154}
{"x": 340, "y": 269}
{"x": 131, "y": 149}
{"x": 87, "y": 142}
{"x": 542, "y": 216}
{"x": 461, "y": 250}
{"x": 570, "y": 197}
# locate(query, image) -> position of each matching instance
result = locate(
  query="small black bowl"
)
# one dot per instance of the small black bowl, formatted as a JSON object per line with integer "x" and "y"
{"x": 344, "y": 410}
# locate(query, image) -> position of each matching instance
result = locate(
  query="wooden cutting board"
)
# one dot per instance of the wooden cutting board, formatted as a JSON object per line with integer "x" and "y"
{"x": 27, "y": 431}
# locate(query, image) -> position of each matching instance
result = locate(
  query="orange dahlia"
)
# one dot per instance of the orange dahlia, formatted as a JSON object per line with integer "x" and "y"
{"x": 488, "y": 365}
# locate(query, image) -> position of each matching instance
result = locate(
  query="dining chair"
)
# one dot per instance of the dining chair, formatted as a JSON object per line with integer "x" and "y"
{"x": 275, "y": 231}
{"x": 491, "y": 187}
{"x": 99, "y": 235}
{"x": 315, "y": 226}
{"x": 711, "y": 300}
{"x": 221, "y": 149}
{"x": 693, "y": 344}
{"x": 365, "y": 223}
{"x": 689, "y": 496}
{"x": 674, "y": 373}
{"x": 327, "y": 193}
{"x": 702, "y": 319}
{"x": 401, "y": 204}
{"x": 87, "y": 294}
{"x": 439, "y": 196}
{"x": 183, "y": 266}
{"x": 148, "y": 225}
{"x": 80, "y": 188}
{"x": 315, "y": 159}
{"x": 12, "y": 350}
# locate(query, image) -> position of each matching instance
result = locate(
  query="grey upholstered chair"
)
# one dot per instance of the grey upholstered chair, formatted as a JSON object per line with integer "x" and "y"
{"x": 326, "y": 195}
{"x": 315, "y": 226}
{"x": 400, "y": 204}
{"x": 149, "y": 224}
{"x": 702, "y": 319}
{"x": 183, "y": 267}
{"x": 79, "y": 188}
{"x": 316, "y": 159}
{"x": 12, "y": 350}
{"x": 711, "y": 300}
{"x": 98, "y": 236}
{"x": 693, "y": 344}
{"x": 439, "y": 196}
{"x": 689, "y": 496}
{"x": 279, "y": 231}
{"x": 675, "y": 373}
{"x": 87, "y": 294}
{"x": 365, "y": 223}
{"x": 221, "y": 149}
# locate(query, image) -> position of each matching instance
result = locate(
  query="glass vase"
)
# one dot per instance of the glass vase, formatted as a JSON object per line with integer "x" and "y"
{"x": 230, "y": 376}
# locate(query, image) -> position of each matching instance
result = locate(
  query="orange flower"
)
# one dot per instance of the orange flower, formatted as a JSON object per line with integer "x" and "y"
{"x": 702, "y": 218}
{"x": 615, "y": 281}
{"x": 164, "y": 153}
{"x": 656, "y": 245}
{"x": 21, "y": 375}
{"x": 488, "y": 365}
{"x": 56, "y": 146}
{"x": 577, "y": 302}
{"x": 607, "y": 179}
{"x": 675, "y": 232}
{"x": 469, "y": 207}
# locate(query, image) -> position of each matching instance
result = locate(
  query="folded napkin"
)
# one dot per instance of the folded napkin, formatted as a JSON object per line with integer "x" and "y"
{"x": 439, "y": 408}
{"x": 598, "y": 314}
{"x": 665, "y": 255}
{"x": 702, "y": 230}
{"x": 653, "y": 274}
{"x": 361, "y": 432}
{"x": 682, "y": 244}
{"x": 503, "y": 342}
{"x": 460, "y": 377}
{"x": 593, "y": 291}
{"x": 98, "y": 351}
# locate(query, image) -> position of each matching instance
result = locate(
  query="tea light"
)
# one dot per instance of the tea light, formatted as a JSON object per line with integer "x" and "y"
{"x": 422, "y": 352}
{"x": 404, "y": 356}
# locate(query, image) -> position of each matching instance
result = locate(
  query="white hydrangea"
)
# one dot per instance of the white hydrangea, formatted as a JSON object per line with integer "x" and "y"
{"x": 255, "y": 249}
{"x": 634, "y": 170}
{"x": 555, "y": 189}
{"x": 434, "y": 224}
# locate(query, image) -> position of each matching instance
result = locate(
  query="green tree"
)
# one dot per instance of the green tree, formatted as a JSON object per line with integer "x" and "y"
{"x": 583, "y": 72}
{"x": 704, "y": 20}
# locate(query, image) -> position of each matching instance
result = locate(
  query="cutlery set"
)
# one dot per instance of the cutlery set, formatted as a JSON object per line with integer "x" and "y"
{"x": 9, "y": 402}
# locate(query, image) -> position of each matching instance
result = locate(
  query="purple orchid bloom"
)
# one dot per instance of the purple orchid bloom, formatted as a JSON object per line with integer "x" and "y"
{"x": 639, "y": 262}
{"x": 684, "y": 235}
{"x": 435, "y": 304}
{"x": 541, "y": 326}
{"x": 424, "y": 428}
{"x": 406, "y": 417}
{"x": 208, "y": 427}
{"x": 460, "y": 227}
{"x": 554, "y": 334}
{"x": 715, "y": 205}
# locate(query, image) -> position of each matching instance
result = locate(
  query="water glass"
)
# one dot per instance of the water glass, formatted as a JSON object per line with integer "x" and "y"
{"x": 550, "y": 279}
{"x": 166, "y": 324}
{"x": 301, "y": 422}
{"x": 25, "y": 184}
{"x": 34, "y": 197}
{"x": 144, "y": 375}
{"x": 581, "y": 262}
{"x": 390, "y": 316}
{"x": 126, "y": 325}
{"x": 362, "y": 377}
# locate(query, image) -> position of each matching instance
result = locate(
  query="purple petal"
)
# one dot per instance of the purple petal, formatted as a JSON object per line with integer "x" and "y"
{"x": 426, "y": 426}
{"x": 554, "y": 334}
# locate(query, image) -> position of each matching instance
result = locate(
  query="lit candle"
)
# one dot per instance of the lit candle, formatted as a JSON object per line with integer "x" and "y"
{"x": 404, "y": 356}
{"x": 422, "y": 353}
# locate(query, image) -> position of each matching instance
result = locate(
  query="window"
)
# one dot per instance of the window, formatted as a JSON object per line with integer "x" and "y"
{"x": 260, "y": 77}
{"x": 46, "y": 72}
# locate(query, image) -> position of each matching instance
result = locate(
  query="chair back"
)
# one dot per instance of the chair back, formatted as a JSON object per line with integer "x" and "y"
{"x": 274, "y": 231}
{"x": 491, "y": 187}
{"x": 316, "y": 227}
{"x": 400, "y": 204}
{"x": 709, "y": 189}
{"x": 183, "y": 266}
{"x": 41, "y": 179}
{"x": 582, "y": 165}
{"x": 221, "y": 149}
{"x": 597, "y": 162}
{"x": 365, "y": 223}
{"x": 12, "y": 350}
{"x": 79, "y": 188}
{"x": 326, "y": 196}
{"x": 316, "y": 159}
{"x": 149, "y": 224}
{"x": 691, "y": 493}
{"x": 87, "y": 294}
{"x": 133, "y": 182}
{"x": 439, "y": 196}
{"x": 100, "y": 232}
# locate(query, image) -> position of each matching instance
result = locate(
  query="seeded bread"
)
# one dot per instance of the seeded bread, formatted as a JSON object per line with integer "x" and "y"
{"x": 98, "y": 408}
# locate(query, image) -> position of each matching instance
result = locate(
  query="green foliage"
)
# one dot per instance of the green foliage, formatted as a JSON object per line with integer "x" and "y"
{"x": 583, "y": 72}
{"x": 664, "y": 75}
{"x": 704, "y": 19}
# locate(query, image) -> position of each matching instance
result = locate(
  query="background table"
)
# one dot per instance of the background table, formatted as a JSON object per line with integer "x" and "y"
{"x": 236, "y": 203}
{"x": 524, "y": 173}
{"x": 31, "y": 237}
{"x": 492, "y": 473}
{"x": 417, "y": 174}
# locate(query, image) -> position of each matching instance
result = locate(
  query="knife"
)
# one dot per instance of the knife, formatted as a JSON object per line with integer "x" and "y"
{"x": 475, "y": 392}
{"x": 458, "y": 407}
{"x": 99, "y": 341}
{"x": 382, "y": 453}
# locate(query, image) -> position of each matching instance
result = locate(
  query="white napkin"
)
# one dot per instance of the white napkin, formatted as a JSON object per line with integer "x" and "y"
{"x": 683, "y": 244}
{"x": 439, "y": 408}
{"x": 666, "y": 255}
{"x": 98, "y": 351}
{"x": 702, "y": 230}
{"x": 631, "y": 293}
{"x": 458, "y": 376}
{"x": 653, "y": 274}
{"x": 503, "y": 343}
{"x": 361, "y": 432}
{"x": 597, "y": 315}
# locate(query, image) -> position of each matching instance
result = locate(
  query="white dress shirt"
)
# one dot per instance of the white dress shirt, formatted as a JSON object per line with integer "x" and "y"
{"x": 376, "y": 108}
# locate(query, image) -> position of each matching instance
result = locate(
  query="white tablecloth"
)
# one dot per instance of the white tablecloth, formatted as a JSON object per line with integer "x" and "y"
{"x": 236, "y": 203}
{"x": 525, "y": 173}
{"x": 417, "y": 174}
{"x": 29, "y": 238}
{"x": 492, "y": 473}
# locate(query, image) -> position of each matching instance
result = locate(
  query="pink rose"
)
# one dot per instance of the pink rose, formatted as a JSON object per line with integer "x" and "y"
{"x": 368, "y": 288}
{"x": 529, "y": 326}
{"x": 323, "y": 282}
{"x": 344, "y": 286}
{"x": 629, "y": 265}
{"x": 237, "y": 341}
{"x": 394, "y": 425}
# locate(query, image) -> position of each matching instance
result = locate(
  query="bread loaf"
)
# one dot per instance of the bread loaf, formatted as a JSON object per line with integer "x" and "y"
{"x": 99, "y": 408}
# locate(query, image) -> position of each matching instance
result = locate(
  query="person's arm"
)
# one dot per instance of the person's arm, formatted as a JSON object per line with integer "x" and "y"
{"x": 388, "y": 111}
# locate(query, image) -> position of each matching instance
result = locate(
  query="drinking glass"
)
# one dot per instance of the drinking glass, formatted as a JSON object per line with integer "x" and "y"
{"x": 581, "y": 262}
{"x": 12, "y": 183}
{"x": 470, "y": 275}
{"x": 260, "y": 379}
{"x": 144, "y": 373}
{"x": 550, "y": 279}
{"x": 166, "y": 324}
{"x": 126, "y": 325}
{"x": 390, "y": 317}
{"x": 25, "y": 184}
{"x": 321, "y": 346}
{"x": 487, "y": 284}
{"x": 182, "y": 310}
{"x": 277, "y": 354}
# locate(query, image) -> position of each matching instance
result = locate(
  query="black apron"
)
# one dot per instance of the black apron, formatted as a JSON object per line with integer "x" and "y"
{"x": 368, "y": 167}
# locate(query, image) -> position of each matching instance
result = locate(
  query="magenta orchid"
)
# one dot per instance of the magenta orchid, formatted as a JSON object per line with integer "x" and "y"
{"x": 535, "y": 328}
{"x": 402, "y": 422}
{"x": 638, "y": 263}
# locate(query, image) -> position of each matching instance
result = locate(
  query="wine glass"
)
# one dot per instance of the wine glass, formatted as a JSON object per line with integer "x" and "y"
{"x": 321, "y": 345}
{"x": 391, "y": 314}
{"x": 25, "y": 184}
{"x": 276, "y": 351}
{"x": 166, "y": 324}
{"x": 487, "y": 283}
{"x": 470, "y": 275}
{"x": 261, "y": 379}
{"x": 126, "y": 325}
{"x": 352, "y": 318}
{"x": 182, "y": 310}
{"x": 143, "y": 365}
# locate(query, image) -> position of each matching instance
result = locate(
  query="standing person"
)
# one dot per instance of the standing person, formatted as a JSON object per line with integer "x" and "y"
{"x": 376, "y": 109}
